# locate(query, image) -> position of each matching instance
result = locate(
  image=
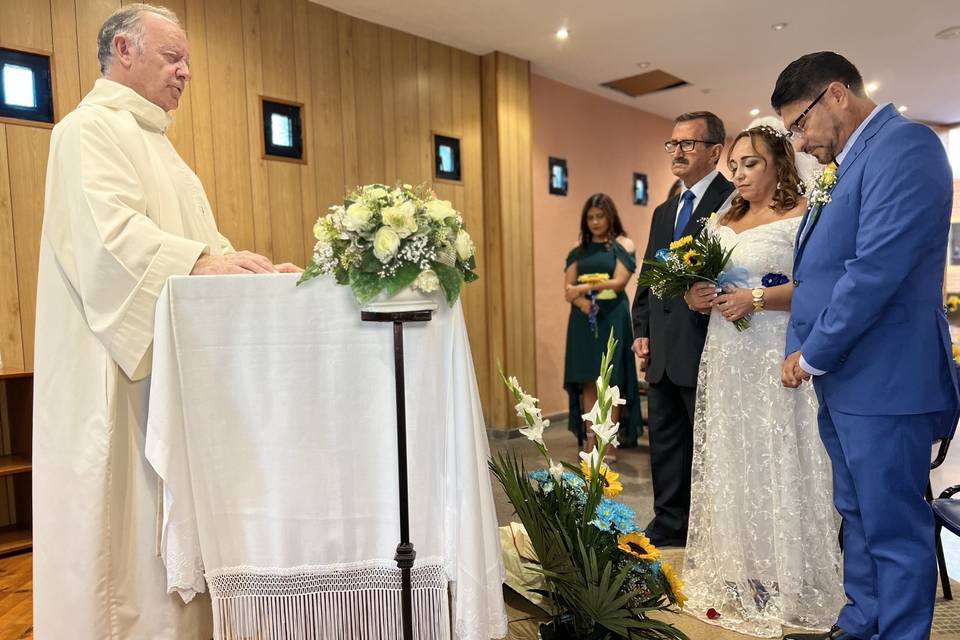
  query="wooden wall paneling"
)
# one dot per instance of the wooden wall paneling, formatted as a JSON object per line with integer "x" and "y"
{"x": 259, "y": 187}
{"x": 308, "y": 186}
{"x": 406, "y": 108}
{"x": 474, "y": 297}
{"x": 388, "y": 110}
{"x": 423, "y": 91}
{"x": 90, "y": 15}
{"x": 348, "y": 114}
{"x": 29, "y": 145}
{"x": 326, "y": 122}
{"x": 228, "y": 78}
{"x": 498, "y": 414}
{"x": 180, "y": 132}
{"x": 524, "y": 220}
{"x": 441, "y": 111}
{"x": 66, "y": 65}
{"x": 201, "y": 116}
{"x": 26, "y": 24}
{"x": 280, "y": 81}
{"x": 11, "y": 344}
{"x": 368, "y": 102}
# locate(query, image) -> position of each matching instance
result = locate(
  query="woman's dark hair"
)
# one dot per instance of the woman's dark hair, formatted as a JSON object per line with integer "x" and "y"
{"x": 807, "y": 76}
{"x": 789, "y": 187}
{"x": 605, "y": 203}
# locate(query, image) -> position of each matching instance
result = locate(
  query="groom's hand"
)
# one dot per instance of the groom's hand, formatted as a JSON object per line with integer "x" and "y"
{"x": 790, "y": 373}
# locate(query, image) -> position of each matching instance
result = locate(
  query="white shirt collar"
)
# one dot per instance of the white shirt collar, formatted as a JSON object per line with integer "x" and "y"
{"x": 856, "y": 133}
{"x": 701, "y": 187}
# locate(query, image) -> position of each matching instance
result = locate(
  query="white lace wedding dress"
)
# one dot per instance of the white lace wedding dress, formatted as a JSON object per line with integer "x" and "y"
{"x": 762, "y": 543}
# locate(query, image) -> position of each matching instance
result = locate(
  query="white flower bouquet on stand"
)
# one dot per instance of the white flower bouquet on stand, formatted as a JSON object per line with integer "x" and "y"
{"x": 383, "y": 240}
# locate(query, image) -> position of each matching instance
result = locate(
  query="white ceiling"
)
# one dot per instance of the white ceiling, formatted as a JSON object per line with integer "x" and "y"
{"x": 727, "y": 51}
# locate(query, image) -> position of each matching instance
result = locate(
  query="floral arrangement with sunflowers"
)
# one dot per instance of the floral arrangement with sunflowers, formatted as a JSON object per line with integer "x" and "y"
{"x": 388, "y": 238}
{"x": 689, "y": 260}
{"x": 602, "y": 576}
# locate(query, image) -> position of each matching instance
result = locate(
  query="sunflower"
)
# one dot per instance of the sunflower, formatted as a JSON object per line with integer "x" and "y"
{"x": 676, "y": 584}
{"x": 691, "y": 258}
{"x": 682, "y": 242}
{"x": 638, "y": 545}
{"x": 953, "y": 303}
{"x": 956, "y": 353}
{"x": 610, "y": 479}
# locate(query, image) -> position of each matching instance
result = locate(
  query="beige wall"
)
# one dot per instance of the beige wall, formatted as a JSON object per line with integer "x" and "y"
{"x": 603, "y": 142}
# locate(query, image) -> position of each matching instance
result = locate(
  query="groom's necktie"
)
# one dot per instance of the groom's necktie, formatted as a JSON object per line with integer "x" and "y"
{"x": 686, "y": 209}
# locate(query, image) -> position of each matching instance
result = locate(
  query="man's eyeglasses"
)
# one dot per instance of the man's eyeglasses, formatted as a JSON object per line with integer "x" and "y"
{"x": 685, "y": 145}
{"x": 796, "y": 129}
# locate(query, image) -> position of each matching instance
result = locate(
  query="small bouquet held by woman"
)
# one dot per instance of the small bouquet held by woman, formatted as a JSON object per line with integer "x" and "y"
{"x": 687, "y": 261}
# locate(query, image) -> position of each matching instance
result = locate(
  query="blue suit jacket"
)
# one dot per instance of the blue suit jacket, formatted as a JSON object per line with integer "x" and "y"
{"x": 867, "y": 303}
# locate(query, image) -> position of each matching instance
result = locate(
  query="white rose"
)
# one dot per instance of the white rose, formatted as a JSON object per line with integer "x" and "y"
{"x": 375, "y": 193}
{"x": 357, "y": 217}
{"x": 385, "y": 244}
{"x": 400, "y": 219}
{"x": 427, "y": 281}
{"x": 464, "y": 245}
{"x": 440, "y": 210}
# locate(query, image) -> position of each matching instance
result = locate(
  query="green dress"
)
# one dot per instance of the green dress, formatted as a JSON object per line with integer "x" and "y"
{"x": 584, "y": 350}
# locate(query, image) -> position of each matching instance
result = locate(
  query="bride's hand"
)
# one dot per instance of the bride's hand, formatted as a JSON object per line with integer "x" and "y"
{"x": 734, "y": 303}
{"x": 700, "y": 297}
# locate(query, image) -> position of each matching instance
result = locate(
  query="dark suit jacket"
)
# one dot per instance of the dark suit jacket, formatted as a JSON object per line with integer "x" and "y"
{"x": 676, "y": 333}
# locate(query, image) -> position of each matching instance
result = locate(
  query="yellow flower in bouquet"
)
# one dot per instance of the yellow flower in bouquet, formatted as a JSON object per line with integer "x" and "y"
{"x": 611, "y": 479}
{"x": 638, "y": 545}
{"x": 691, "y": 258}
{"x": 953, "y": 303}
{"x": 956, "y": 353}
{"x": 593, "y": 278}
{"x": 682, "y": 242}
{"x": 676, "y": 584}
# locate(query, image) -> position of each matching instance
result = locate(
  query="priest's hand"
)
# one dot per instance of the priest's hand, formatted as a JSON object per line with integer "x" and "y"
{"x": 287, "y": 267}
{"x": 238, "y": 262}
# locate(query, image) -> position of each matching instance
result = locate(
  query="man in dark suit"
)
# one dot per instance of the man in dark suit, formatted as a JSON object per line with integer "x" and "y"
{"x": 670, "y": 336}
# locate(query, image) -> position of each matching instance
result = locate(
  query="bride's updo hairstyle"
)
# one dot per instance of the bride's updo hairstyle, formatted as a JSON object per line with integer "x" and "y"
{"x": 789, "y": 186}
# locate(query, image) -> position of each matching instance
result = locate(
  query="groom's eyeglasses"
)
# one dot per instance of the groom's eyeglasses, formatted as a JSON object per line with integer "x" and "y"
{"x": 796, "y": 129}
{"x": 685, "y": 145}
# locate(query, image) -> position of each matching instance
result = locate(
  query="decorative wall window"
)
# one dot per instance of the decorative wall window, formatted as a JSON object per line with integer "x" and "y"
{"x": 282, "y": 129}
{"x": 446, "y": 154}
{"x": 640, "y": 188}
{"x": 558, "y": 176}
{"x": 26, "y": 87}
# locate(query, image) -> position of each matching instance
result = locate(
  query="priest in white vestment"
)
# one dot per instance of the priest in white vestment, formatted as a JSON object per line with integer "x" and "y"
{"x": 123, "y": 212}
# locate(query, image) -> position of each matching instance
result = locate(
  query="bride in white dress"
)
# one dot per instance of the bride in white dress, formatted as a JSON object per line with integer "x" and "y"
{"x": 762, "y": 548}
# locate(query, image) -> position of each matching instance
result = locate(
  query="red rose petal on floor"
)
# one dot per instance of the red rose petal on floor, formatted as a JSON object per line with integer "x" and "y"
{"x": 712, "y": 613}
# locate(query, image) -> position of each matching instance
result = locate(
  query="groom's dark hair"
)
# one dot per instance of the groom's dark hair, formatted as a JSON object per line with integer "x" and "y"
{"x": 805, "y": 77}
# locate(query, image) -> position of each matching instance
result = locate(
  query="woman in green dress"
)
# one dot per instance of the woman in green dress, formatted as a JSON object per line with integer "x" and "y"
{"x": 597, "y": 272}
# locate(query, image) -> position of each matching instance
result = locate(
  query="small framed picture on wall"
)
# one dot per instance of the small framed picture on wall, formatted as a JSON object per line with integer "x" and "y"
{"x": 558, "y": 176}
{"x": 446, "y": 156}
{"x": 640, "y": 188}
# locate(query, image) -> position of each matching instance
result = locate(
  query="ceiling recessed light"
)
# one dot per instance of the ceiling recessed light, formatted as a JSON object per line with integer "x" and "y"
{"x": 780, "y": 26}
{"x": 754, "y": 112}
{"x": 562, "y": 33}
{"x": 872, "y": 87}
{"x": 950, "y": 33}
{"x": 643, "y": 65}
{"x": 902, "y": 108}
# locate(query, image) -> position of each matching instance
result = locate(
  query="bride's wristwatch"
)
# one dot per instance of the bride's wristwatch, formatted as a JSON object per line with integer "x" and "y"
{"x": 757, "y": 298}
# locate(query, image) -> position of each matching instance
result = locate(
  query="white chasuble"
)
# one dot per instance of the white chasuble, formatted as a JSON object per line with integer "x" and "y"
{"x": 123, "y": 212}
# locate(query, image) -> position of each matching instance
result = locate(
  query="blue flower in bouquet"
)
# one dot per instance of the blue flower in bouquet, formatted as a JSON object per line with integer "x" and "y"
{"x": 543, "y": 479}
{"x": 612, "y": 515}
{"x": 662, "y": 254}
{"x": 774, "y": 279}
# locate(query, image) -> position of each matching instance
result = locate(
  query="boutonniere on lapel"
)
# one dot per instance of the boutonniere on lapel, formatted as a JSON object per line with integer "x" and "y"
{"x": 819, "y": 195}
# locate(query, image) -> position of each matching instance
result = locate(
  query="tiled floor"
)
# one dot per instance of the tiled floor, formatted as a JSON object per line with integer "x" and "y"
{"x": 634, "y": 467}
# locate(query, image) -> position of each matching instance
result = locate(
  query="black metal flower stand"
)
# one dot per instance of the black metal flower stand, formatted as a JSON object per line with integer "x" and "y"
{"x": 405, "y": 551}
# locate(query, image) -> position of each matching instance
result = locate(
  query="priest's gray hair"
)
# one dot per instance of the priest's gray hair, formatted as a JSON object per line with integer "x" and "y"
{"x": 128, "y": 21}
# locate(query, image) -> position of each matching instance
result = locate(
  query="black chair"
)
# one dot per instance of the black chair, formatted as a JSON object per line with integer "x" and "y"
{"x": 946, "y": 512}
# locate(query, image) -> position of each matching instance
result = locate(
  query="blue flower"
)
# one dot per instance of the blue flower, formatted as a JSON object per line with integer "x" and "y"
{"x": 662, "y": 254}
{"x": 614, "y": 516}
{"x": 542, "y": 478}
{"x": 774, "y": 279}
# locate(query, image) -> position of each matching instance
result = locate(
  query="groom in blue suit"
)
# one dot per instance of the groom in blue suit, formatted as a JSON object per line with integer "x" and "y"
{"x": 868, "y": 325}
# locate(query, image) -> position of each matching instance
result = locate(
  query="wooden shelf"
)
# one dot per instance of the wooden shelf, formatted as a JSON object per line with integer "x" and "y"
{"x": 7, "y": 373}
{"x": 15, "y": 538}
{"x": 10, "y": 465}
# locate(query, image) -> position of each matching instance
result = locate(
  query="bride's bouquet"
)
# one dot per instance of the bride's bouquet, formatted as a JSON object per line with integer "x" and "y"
{"x": 689, "y": 260}
{"x": 387, "y": 238}
{"x": 601, "y": 574}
